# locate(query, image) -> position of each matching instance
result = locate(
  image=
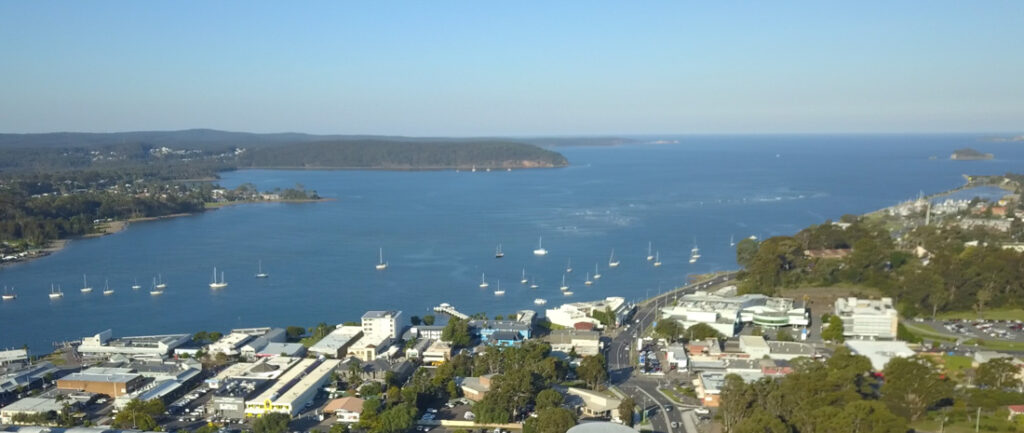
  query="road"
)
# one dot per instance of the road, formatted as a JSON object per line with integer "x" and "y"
{"x": 644, "y": 390}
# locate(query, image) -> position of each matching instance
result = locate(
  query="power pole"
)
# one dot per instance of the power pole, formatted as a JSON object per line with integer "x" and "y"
{"x": 977, "y": 420}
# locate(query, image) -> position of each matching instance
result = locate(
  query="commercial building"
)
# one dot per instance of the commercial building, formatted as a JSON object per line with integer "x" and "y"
{"x": 438, "y": 352}
{"x": 29, "y": 406}
{"x": 103, "y": 344}
{"x": 416, "y": 351}
{"x": 485, "y": 328}
{"x": 676, "y": 356}
{"x": 113, "y": 382}
{"x": 264, "y": 337}
{"x": 880, "y": 352}
{"x": 296, "y": 387}
{"x": 867, "y": 318}
{"x": 228, "y": 400}
{"x": 378, "y": 325}
{"x": 282, "y": 349}
{"x": 166, "y": 381}
{"x": 787, "y": 350}
{"x": 755, "y": 346}
{"x": 14, "y": 377}
{"x": 427, "y": 332}
{"x": 568, "y": 315}
{"x": 595, "y": 404}
{"x": 727, "y": 314}
{"x": 368, "y": 348}
{"x": 231, "y": 344}
{"x": 347, "y": 409}
{"x": 600, "y": 427}
{"x": 337, "y": 343}
{"x": 585, "y": 343}
{"x": 13, "y": 356}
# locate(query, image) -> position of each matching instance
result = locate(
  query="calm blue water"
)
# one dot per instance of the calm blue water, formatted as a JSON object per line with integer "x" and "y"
{"x": 439, "y": 231}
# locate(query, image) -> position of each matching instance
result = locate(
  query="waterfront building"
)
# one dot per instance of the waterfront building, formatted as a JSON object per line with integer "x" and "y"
{"x": 231, "y": 344}
{"x": 156, "y": 346}
{"x": 438, "y": 352}
{"x": 112, "y": 382}
{"x": 296, "y": 387}
{"x": 13, "y": 356}
{"x": 337, "y": 343}
{"x": 29, "y": 406}
{"x": 585, "y": 343}
{"x": 378, "y": 325}
{"x": 867, "y": 318}
{"x": 264, "y": 337}
{"x": 568, "y": 315}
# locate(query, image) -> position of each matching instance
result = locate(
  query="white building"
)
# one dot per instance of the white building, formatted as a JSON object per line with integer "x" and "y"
{"x": 676, "y": 356}
{"x": 29, "y": 406}
{"x": 568, "y": 315}
{"x": 867, "y": 318}
{"x": 727, "y": 314}
{"x": 755, "y": 346}
{"x": 585, "y": 343}
{"x": 103, "y": 343}
{"x": 293, "y": 389}
{"x": 231, "y": 344}
{"x": 378, "y": 325}
{"x": 13, "y": 356}
{"x": 880, "y": 352}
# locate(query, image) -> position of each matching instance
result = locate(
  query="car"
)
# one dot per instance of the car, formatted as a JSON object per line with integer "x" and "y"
{"x": 675, "y": 424}
{"x": 432, "y": 410}
{"x": 702, "y": 411}
{"x": 668, "y": 408}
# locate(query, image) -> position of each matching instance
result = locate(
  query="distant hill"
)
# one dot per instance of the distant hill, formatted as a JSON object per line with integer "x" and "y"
{"x": 968, "y": 154}
{"x": 403, "y": 155}
{"x": 76, "y": 150}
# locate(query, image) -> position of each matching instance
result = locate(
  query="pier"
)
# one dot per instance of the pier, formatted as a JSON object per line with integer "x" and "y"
{"x": 448, "y": 309}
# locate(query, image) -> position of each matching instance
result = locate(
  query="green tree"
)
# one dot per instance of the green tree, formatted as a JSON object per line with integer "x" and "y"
{"x": 834, "y": 331}
{"x": 669, "y": 329}
{"x": 912, "y": 386}
{"x": 456, "y": 332}
{"x": 139, "y": 415}
{"x": 593, "y": 371}
{"x": 271, "y": 423}
{"x": 746, "y": 249}
{"x": 428, "y": 320}
{"x": 295, "y": 332}
{"x": 701, "y": 331}
{"x": 626, "y": 409}
{"x": 998, "y": 373}
{"x": 371, "y": 411}
{"x": 783, "y": 335}
{"x": 549, "y": 398}
{"x": 550, "y": 420}
{"x": 760, "y": 421}
{"x": 396, "y": 419}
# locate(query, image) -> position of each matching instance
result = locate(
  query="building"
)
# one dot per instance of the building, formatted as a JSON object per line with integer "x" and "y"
{"x": 728, "y": 314}
{"x": 504, "y": 339}
{"x": 13, "y": 356}
{"x": 880, "y": 352}
{"x": 595, "y": 404}
{"x": 755, "y": 346}
{"x": 112, "y": 382}
{"x": 337, "y": 343}
{"x": 29, "y": 406}
{"x": 427, "y": 332}
{"x": 708, "y": 387}
{"x": 600, "y": 427}
{"x": 378, "y": 325}
{"x": 787, "y": 350}
{"x": 676, "y": 357}
{"x": 103, "y": 344}
{"x": 269, "y": 335}
{"x": 231, "y": 344}
{"x": 475, "y": 388}
{"x": 585, "y": 343}
{"x": 282, "y": 349}
{"x": 438, "y": 352}
{"x": 228, "y": 400}
{"x": 166, "y": 381}
{"x": 485, "y": 328}
{"x": 867, "y": 318}
{"x": 347, "y": 409}
{"x": 15, "y": 377}
{"x": 294, "y": 389}
{"x": 368, "y": 348}
{"x": 568, "y": 315}
{"x": 417, "y": 349}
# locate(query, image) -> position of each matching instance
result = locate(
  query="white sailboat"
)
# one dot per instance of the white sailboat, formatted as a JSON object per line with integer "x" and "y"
{"x": 568, "y": 266}
{"x": 498, "y": 253}
{"x": 524, "y": 280}
{"x": 533, "y": 284}
{"x": 107, "y": 291}
{"x": 214, "y": 284}
{"x": 160, "y": 284}
{"x": 135, "y": 284}
{"x": 587, "y": 281}
{"x": 612, "y": 263}
{"x": 597, "y": 272}
{"x": 567, "y": 293}
{"x": 56, "y": 293}
{"x": 381, "y": 264}
{"x": 259, "y": 270}
{"x": 649, "y": 256}
{"x": 499, "y": 292}
{"x": 564, "y": 286}
{"x": 483, "y": 281}
{"x": 540, "y": 301}
{"x": 85, "y": 285}
{"x": 540, "y": 251}
{"x": 157, "y": 290}
{"x": 732, "y": 241}
{"x": 694, "y": 252}
{"x": 657, "y": 258}
{"x": 8, "y": 295}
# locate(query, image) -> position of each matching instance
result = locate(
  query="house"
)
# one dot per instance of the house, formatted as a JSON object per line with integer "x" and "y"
{"x": 437, "y": 353}
{"x": 585, "y": 343}
{"x": 346, "y": 409}
{"x": 595, "y": 404}
{"x": 475, "y": 388}
{"x": 1015, "y": 410}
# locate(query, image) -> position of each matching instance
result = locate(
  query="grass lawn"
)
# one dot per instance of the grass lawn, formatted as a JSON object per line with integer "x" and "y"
{"x": 956, "y": 363}
{"x": 998, "y": 314}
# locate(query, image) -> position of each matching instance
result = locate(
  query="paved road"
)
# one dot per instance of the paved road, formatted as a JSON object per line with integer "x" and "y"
{"x": 644, "y": 390}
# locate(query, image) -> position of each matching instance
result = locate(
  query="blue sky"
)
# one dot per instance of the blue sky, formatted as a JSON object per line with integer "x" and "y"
{"x": 513, "y": 68}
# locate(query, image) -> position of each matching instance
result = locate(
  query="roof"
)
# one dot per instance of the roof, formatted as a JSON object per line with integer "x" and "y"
{"x": 380, "y": 314}
{"x": 880, "y": 352}
{"x": 341, "y": 337}
{"x": 33, "y": 404}
{"x": 600, "y": 427}
{"x": 791, "y": 348}
{"x": 596, "y": 401}
{"x": 279, "y": 348}
{"x": 348, "y": 404}
{"x": 101, "y": 376}
{"x": 1016, "y": 408}
{"x": 566, "y": 336}
{"x": 505, "y": 336}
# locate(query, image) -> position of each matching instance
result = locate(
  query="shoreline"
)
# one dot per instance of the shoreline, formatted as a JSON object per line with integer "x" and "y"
{"x": 113, "y": 227}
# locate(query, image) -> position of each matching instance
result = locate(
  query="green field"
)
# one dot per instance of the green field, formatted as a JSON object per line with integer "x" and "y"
{"x": 998, "y": 314}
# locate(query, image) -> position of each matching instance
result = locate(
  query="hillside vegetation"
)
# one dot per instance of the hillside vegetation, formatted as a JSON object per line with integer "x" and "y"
{"x": 390, "y": 154}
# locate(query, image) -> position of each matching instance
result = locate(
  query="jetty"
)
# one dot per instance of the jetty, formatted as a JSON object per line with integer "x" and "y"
{"x": 448, "y": 309}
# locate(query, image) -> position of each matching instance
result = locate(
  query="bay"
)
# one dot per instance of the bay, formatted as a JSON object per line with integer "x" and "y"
{"x": 439, "y": 230}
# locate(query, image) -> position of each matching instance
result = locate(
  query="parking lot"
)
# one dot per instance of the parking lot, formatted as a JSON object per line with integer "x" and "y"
{"x": 1011, "y": 330}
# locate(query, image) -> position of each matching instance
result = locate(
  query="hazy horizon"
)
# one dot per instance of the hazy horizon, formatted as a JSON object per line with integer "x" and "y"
{"x": 463, "y": 69}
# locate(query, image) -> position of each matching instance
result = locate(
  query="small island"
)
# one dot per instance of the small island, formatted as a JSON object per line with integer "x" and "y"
{"x": 968, "y": 154}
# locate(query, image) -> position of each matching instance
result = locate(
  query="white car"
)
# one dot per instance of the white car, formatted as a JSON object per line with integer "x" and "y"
{"x": 701, "y": 411}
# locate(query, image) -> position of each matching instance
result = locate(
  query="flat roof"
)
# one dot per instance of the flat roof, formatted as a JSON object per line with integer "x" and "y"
{"x": 33, "y": 404}
{"x": 285, "y": 379}
{"x": 98, "y": 377}
{"x": 880, "y": 352}
{"x": 309, "y": 380}
{"x": 337, "y": 339}
{"x": 600, "y": 427}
